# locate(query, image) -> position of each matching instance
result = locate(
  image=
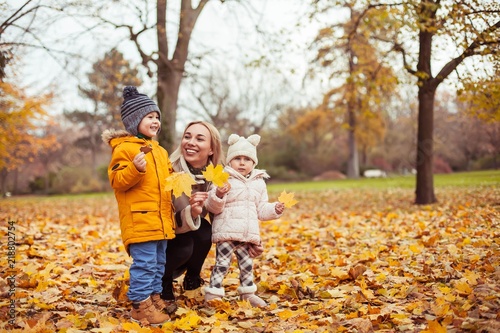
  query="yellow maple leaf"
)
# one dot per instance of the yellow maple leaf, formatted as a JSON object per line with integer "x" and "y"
{"x": 178, "y": 183}
{"x": 134, "y": 327}
{"x": 188, "y": 322}
{"x": 434, "y": 327}
{"x": 286, "y": 314}
{"x": 216, "y": 175}
{"x": 287, "y": 199}
{"x": 471, "y": 277}
{"x": 463, "y": 287}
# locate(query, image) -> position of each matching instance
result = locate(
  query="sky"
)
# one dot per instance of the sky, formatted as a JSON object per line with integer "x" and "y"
{"x": 227, "y": 30}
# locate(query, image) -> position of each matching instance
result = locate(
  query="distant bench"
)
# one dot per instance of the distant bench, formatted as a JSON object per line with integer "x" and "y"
{"x": 374, "y": 173}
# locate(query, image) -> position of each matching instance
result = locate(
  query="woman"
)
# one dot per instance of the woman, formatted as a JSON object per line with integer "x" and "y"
{"x": 200, "y": 146}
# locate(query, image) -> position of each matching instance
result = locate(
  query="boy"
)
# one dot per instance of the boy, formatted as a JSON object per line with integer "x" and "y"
{"x": 137, "y": 172}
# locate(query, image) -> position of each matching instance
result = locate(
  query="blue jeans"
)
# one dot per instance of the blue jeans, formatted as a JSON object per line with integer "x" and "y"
{"x": 147, "y": 269}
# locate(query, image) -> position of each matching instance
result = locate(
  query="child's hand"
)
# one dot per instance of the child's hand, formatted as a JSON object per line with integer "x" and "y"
{"x": 279, "y": 208}
{"x": 220, "y": 191}
{"x": 196, "y": 201}
{"x": 140, "y": 162}
{"x": 255, "y": 250}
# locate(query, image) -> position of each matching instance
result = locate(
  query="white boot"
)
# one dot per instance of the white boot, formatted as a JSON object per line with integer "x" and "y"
{"x": 212, "y": 294}
{"x": 248, "y": 294}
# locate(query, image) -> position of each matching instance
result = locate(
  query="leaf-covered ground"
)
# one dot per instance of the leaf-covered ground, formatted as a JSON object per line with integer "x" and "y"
{"x": 338, "y": 261}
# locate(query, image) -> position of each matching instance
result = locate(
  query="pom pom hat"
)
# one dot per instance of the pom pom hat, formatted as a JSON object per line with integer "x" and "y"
{"x": 239, "y": 146}
{"x": 135, "y": 106}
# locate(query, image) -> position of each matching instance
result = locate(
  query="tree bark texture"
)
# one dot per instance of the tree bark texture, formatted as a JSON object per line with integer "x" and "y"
{"x": 425, "y": 145}
{"x": 353, "y": 162}
{"x": 170, "y": 71}
{"x": 424, "y": 192}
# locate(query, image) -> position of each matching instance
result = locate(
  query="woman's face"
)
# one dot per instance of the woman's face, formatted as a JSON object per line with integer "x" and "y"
{"x": 196, "y": 145}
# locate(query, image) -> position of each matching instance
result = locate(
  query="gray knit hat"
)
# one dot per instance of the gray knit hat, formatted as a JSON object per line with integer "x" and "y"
{"x": 135, "y": 106}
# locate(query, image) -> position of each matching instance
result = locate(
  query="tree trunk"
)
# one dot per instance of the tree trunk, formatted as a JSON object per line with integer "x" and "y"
{"x": 425, "y": 177}
{"x": 170, "y": 71}
{"x": 3, "y": 180}
{"x": 15, "y": 180}
{"x": 353, "y": 162}
{"x": 167, "y": 92}
{"x": 427, "y": 85}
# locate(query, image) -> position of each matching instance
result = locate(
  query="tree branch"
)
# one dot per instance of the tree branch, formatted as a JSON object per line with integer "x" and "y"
{"x": 469, "y": 51}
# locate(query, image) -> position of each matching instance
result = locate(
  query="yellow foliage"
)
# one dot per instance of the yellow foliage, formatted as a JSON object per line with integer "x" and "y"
{"x": 20, "y": 117}
{"x": 329, "y": 267}
{"x": 463, "y": 287}
{"x": 188, "y": 322}
{"x": 482, "y": 97}
{"x": 286, "y": 314}
{"x": 434, "y": 327}
{"x": 178, "y": 183}
{"x": 216, "y": 175}
{"x": 287, "y": 199}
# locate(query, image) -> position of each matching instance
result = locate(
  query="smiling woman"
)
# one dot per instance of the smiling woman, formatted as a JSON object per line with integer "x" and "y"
{"x": 200, "y": 146}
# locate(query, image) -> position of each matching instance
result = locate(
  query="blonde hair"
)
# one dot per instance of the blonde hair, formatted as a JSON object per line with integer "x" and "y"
{"x": 217, "y": 156}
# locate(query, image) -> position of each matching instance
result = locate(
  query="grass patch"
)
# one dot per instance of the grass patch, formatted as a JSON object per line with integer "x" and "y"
{"x": 458, "y": 179}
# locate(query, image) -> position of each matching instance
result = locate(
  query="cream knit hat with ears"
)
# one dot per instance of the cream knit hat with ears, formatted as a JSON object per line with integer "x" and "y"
{"x": 239, "y": 146}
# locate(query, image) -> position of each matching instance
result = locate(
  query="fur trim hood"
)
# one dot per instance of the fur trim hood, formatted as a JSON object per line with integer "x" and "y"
{"x": 111, "y": 134}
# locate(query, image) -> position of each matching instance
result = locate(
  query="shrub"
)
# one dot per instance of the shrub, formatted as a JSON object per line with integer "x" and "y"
{"x": 77, "y": 180}
{"x": 441, "y": 166}
{"x": 282, "y": 173}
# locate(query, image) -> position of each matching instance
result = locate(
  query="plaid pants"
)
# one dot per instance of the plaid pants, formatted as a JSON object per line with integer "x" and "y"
{"x": 224, "y": 250}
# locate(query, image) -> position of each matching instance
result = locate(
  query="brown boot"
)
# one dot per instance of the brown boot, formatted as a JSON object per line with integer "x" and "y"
{"x": 168, "y": 306}
{"x": 146, "y": 313}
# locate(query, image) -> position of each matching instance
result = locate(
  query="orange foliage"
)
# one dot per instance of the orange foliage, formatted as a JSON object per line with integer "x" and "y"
{"x": 340, "y": 261}
{"x": 21, "y": 118}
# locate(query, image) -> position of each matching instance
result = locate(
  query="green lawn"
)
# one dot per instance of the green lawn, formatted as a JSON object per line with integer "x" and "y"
{"x": 459, "y": 179}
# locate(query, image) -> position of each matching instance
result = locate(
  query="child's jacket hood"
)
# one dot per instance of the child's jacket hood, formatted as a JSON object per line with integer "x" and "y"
{"x": 111, "y": 134}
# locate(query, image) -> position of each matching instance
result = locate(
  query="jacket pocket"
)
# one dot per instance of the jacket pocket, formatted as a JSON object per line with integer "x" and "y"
{"x": 145, "y": 216}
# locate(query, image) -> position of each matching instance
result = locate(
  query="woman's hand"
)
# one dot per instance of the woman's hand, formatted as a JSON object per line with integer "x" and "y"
{"x": 196, "y": 201}
{"x": 140, "y": 162}
{"x": 221, "y": 191}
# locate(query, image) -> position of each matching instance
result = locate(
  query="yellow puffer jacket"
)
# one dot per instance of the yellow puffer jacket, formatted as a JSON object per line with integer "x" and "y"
{"x": 145, "y": 208}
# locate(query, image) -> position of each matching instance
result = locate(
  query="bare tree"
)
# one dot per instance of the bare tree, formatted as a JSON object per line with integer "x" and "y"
{"x": 105, "y": 83}
{"x": 26, "y": 25}
{"x": 168, "y": 59}
{"x": 234, "y": 105}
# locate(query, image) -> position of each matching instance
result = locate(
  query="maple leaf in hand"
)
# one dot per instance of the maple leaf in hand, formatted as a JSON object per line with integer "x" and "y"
{"x": 287, "y": 199}
{"x": 216, "y": 175}
{"x": 178, "y": 183}
{"x": 146, "y": 149}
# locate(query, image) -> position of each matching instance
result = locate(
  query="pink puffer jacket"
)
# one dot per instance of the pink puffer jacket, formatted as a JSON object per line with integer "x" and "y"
{"x": 238, "y": 213}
